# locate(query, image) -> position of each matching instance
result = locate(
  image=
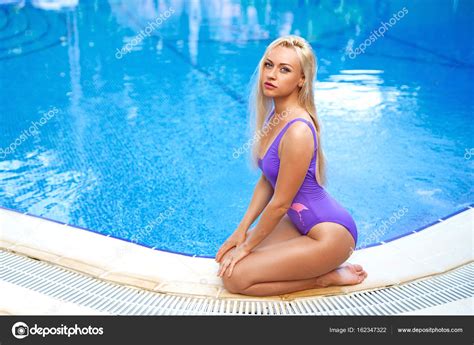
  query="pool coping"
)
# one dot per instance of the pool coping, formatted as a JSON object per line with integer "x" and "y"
{"x": 204, "y": 256}
{"x": 440, "y": 247}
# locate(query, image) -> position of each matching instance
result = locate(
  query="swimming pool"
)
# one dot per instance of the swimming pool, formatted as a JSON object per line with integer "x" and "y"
{"x": 123, "y": 124}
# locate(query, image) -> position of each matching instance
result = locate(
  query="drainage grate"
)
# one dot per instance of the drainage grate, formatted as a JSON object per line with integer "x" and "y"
{"x": 70, "y": 286}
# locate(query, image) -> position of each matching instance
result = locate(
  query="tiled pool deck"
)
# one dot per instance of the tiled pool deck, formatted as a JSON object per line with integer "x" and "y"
{"x": 436, "y": 249}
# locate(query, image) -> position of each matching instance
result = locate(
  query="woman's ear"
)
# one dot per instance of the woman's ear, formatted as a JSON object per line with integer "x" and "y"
{"x": 301, "y": 82}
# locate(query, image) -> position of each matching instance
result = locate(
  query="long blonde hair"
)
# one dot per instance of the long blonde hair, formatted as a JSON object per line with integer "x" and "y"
{"x": 261, "y": 105}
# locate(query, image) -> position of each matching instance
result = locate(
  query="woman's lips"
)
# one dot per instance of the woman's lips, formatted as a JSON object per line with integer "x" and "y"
{"x": 269, "y": 85}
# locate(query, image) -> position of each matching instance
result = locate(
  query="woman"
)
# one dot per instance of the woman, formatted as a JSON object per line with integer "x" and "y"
{"x": 303, "y": 236}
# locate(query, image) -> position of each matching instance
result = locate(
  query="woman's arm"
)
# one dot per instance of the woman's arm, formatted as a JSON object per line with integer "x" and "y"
{"x": 296, "y": 154}
{"x": 261, "y": 196}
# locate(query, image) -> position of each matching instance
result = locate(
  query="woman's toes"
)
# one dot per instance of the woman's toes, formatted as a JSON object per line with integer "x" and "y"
{"x": 354, "y": 267}
{"x": 346, "y": 274}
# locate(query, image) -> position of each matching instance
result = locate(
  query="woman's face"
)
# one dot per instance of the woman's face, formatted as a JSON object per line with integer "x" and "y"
{"x": 281, "y": 69}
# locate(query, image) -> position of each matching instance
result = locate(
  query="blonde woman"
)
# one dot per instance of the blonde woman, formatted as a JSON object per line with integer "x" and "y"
{"x": 304, "y": 235}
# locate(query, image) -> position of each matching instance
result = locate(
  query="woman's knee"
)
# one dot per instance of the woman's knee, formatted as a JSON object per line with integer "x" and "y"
{"x": 236, "y": 283}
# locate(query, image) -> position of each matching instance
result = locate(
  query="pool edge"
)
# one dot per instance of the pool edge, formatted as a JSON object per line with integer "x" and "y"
{"x": 424, "y": 253}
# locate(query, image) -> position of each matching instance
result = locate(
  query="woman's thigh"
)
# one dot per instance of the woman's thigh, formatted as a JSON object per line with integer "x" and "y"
{"x": 284, "y": 231}
{"x": 298, "y": 258}
{"x": 331, "y": 229}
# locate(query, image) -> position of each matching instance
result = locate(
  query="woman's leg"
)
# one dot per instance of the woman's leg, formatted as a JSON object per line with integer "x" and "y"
{"x": 284, "y": 231}
{"x": 347, "y": 274}
{"x": 297, "y": 263}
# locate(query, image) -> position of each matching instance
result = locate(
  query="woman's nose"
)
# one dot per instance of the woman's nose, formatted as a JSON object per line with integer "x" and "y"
{"x": 271, "y": 73}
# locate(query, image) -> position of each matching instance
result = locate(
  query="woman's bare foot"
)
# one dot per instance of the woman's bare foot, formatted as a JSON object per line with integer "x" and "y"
{"x": 346, "y": 274}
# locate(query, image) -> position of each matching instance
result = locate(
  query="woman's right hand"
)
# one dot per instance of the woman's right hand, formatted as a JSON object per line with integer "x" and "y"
{"x": 234, "y": 240}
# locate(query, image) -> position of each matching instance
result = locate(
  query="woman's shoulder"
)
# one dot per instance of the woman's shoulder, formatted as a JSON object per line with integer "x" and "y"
{"x": 307, "y": 117}
{"x": 298, "y": 139}
{"x": 301, "y": 130}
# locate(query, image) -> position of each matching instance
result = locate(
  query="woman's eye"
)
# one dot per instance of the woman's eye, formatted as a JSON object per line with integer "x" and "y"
{"x": 286, "y": 70}
{"x": 267, "y": 64}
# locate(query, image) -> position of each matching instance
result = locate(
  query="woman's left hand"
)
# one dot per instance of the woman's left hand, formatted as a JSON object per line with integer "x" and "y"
{"x": 232, "y": 257}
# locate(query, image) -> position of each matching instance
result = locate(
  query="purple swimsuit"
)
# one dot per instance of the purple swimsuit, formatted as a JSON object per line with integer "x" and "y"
{"x": 312, "y": 204}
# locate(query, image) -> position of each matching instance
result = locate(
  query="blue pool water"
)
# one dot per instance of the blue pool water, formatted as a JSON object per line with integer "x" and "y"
{"x": 139, "y": 144}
